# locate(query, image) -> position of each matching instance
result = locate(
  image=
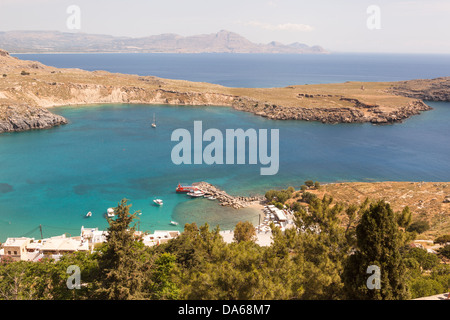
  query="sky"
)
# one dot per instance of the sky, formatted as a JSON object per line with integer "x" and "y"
{"x": 384, "y": 26}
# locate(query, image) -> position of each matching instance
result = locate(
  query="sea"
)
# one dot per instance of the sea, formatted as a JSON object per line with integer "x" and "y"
{"x": 52, "y": 178}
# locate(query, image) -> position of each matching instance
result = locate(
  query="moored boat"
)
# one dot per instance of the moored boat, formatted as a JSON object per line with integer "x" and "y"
{"x": 181, "y": 188}
{"x": 159, "y": 202}
{"x": 110, "y": 212}
{"x": 196, "y": 194}
{"x": 89, "y": 214}
{"x": 174, "y": 223}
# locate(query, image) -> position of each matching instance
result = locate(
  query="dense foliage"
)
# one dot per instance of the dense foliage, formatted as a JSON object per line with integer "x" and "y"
{"x": 322, "y": 258}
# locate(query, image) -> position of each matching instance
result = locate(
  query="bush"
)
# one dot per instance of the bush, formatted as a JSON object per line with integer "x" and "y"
{"x": 297, "y": 207}
{"x": 303, "y": 188}
{"x": 419, "y": 226}
{"x": 317, "y": 185}
{"x": 427, "y": 261}
{"x": 309, "y": 183}
{"x": 445, "y": 251}
{"x": 24, "y": 73}
{"x": 280, "y": 196}
{"x": 423, "y": 287}
{"x": 308, "y": 197}
{"x": 443, "y": 239}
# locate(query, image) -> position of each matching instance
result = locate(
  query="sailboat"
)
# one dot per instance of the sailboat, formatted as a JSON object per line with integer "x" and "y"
{"x": 154, "y": 122}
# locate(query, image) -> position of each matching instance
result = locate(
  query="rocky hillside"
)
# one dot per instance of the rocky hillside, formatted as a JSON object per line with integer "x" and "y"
{"x": 221, "y": 42}
{"x": 28, "y": 87}
{"x": 432, "y": 90}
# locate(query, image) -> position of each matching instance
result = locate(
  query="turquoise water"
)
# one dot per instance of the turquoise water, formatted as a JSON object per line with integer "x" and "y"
{"x": 109, "y": 152}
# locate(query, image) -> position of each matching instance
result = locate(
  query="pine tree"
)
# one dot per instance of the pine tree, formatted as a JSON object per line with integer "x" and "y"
{"x": 124, "y": 263}
{"x": 379, "y": 240}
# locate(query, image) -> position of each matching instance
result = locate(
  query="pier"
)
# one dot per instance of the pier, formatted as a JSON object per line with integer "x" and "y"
{"x": 225, "y": 199}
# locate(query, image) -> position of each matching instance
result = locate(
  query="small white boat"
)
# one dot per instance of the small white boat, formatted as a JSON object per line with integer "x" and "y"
{"x": 196, "y": 194}
{"x": 89, "y": 214}
{"x": 211, "y": 198}
{"x": 174, "y": 223}
{"x": 159, "y": 202}
{"x": 110, "y": 212}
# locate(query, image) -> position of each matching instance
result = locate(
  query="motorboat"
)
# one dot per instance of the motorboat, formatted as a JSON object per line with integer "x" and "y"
{"x": 180, "y": 188}
{"x": 174, "y": 223}
{"x": 110, "y": 212}
{"x": 89, "y": 214}
{"x": 159, "y": 202}
{"x": 196, "y": 194}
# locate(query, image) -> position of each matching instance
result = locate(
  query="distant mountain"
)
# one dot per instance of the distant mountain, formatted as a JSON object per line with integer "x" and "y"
{"x": 221, "y": 42}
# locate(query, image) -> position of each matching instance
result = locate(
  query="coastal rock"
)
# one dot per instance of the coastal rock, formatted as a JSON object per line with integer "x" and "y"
{"x": 427, "y": 89}
{"x": 25, "y": 117}
{"x": 224, "y": 198}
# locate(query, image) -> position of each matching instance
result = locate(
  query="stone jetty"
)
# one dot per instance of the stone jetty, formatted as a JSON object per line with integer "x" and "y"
{"x": 225, "y": 199}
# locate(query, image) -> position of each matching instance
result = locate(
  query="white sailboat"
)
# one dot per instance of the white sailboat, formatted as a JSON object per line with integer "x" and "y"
{"x": 154, "y": 122}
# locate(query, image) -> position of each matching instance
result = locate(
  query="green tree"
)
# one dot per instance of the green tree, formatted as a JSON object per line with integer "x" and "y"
{"x": 309, "y": 183}
{"x": 427, "y": 261}
{"x": 308, "y": 197}
{"x": 165, "y": 286}
{"x": 379, "y": 240}
{"x": 442, "y": 239}
{"x": 124, "y": 263}
{"x": 419, "y": 226}
{"x": 244, "y": 231}
{"x": 404, "y": 219}
{"x": 445, "y": 251}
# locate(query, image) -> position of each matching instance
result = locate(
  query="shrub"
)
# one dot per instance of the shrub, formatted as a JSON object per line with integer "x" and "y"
{"x": 443, "y": 239}
{"x": 317, "y": 185}
{"x": 308, "y": 197}
{"x": 423, "y": 287}
{"x": 309, "y": 183}
{"x": 419, "y": 226}
{"x": 24, "y": 73}
{"x": 445, "y": 251}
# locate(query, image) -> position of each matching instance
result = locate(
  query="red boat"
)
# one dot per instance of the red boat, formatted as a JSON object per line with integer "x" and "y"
{"x": 181, "y": 188}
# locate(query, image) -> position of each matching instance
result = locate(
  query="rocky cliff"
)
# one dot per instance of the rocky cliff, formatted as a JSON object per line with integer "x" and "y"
{"x": 25, "y": 117}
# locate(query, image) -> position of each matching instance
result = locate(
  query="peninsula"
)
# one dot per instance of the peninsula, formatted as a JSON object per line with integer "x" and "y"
{"x": 27, "y": 88}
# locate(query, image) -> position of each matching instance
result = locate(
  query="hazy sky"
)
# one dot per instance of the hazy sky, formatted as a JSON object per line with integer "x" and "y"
{"x": 401, "y": 26}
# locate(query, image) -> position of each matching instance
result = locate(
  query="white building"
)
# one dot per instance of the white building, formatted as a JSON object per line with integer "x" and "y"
{"x": 159, "y": 236}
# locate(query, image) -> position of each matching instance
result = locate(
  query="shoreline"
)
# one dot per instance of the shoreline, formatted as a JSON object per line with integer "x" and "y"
{"x": 29, "y": 87}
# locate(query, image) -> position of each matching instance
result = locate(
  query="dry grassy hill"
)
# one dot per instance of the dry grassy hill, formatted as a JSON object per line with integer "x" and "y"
{"x": 28, "y": 87}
